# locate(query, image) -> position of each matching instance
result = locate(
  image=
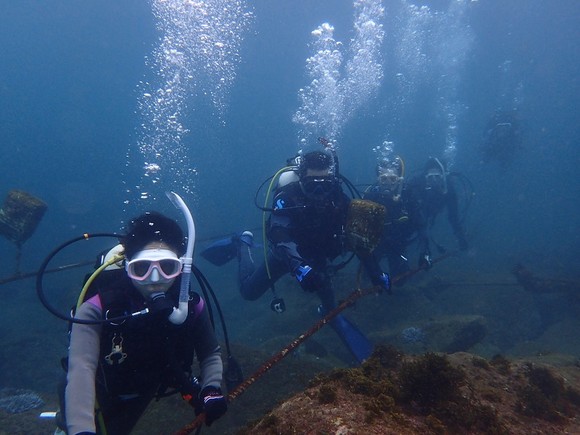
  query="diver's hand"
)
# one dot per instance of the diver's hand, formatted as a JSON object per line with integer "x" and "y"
{"x": 309, "y": 279}
{"x": 214, "y": 404}
{"x": 383, "y": 282}
{"x": 425, "y": 261}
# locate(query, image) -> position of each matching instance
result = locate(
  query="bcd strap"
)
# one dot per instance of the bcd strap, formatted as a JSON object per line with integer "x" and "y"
{"x": 364, "y": 225}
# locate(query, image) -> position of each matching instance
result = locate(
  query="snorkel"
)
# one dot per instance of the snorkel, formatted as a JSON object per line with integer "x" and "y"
{"x": 399, "y": 190}
{"x": 436, "y": 164}
{"x": 179, "y": 314}
{"x": 113, "y": 260}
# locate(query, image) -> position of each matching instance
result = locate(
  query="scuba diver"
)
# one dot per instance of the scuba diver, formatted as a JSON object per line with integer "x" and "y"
{"x": 502, "y": 138}
{"x": 435, "y": 190}
{"x": 116, "y": 367}
{"x": 306, "y": 232}
{"x": 403, "y": 220}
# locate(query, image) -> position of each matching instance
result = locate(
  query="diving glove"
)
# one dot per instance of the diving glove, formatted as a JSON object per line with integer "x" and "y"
{"x": 385, "y": 282}
{"x": 308, "y": 278}
{"x": 425, "y": 261}
{"x": 214, "y": 404}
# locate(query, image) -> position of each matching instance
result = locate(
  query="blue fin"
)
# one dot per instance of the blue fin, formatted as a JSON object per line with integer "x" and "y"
{"x": 352, "y": 337}
{"x": 355, "y": 340}
{"x": 221, "y": 251}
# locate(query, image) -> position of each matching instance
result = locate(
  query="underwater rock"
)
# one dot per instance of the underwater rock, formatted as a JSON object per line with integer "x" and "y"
{"x": 447, "y": 334}
{"x": 393, "y": 393}
{"x": 534, "y": 284}
{"x": 412, "y": 335}
{"x": 15, "y": 401}
{"x": 455, "y": 333}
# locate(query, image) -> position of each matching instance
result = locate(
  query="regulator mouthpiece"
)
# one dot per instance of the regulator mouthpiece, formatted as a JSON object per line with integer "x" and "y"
{"x": 160, "y": 304}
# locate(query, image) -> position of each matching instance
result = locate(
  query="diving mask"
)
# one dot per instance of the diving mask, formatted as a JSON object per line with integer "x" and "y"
{"x": 389, "y": 179}
{"x": 434, "y": 180}
{"x": 318, "y": 186}
{"x": 154, "y": 265}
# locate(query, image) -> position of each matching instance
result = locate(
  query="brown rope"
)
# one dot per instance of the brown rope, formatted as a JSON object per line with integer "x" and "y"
{"x": 199, "y": 420}
{"x": 18, "y": 276}
{"x": 264, "y": 368}
{"x": 298, "y": 341}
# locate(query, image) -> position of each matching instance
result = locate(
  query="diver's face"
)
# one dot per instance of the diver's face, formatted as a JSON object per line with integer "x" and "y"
{"x": 153, "y": 269}
{"x": 318, "y": 184}
{"x": 434, "y": 181}
{"x": 389, "y": 181}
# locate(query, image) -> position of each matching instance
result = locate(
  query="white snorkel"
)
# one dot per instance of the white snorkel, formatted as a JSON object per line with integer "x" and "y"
{"x": 179, "y": 314}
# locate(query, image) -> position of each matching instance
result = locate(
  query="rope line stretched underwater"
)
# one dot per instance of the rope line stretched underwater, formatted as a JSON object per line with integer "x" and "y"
{"x": 20, "y": 276}
{"x": 264, "y": 368}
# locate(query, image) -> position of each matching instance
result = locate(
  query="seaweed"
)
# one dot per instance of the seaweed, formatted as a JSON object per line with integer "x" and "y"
{"x": 501, "y": 364}
{"x": 327, "y": 394}
{"x": 545, "y": 396}
{"x": 378, "y": 406}
{"x": 429, "y": 380}
{"x": 480, "y": 362}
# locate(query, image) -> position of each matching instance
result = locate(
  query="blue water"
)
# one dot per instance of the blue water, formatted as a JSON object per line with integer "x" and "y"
{"x": 71, "y": 78}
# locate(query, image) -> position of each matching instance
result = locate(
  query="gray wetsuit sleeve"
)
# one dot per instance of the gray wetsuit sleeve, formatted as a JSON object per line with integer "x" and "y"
{"x": 211, "y": 370}
{"x": 208, "y": 351}
{"x": 82, "y": 365}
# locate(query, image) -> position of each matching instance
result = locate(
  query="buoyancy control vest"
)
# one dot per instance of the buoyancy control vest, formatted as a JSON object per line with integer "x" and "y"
{"x": 144, "y": 354}
{"x": 318, "y": 229}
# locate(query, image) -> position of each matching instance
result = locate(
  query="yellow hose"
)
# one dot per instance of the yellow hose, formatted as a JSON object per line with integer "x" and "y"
{"x": 114, "y": 259}
{"x": 266, "y": 202}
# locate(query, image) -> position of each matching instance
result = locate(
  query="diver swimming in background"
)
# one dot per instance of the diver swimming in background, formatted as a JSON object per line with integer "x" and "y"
{"x": 502, "y": 138}
{"x": 403, "y": 220}
{"x": 305, "y": 231}
{"x": 435, "y": 189}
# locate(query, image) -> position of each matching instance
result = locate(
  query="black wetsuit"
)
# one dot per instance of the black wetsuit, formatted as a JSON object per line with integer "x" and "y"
{"x": 301, "y": 232}
{"x": 432, "y": 202}
{"x": 502, "y": 138}
{"x": 403, "y": 224}
{"x": 151, "y": 355}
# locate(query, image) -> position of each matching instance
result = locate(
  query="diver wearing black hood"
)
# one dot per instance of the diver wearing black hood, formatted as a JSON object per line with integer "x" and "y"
{"x": 403, "y": 220}
{"x": 116, "y": 369}
{"x": 435, "y": 192}
{"x": 306, "y": 232}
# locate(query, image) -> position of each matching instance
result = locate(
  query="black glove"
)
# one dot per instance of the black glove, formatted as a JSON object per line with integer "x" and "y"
{"x": 425, "y": 261}
{"x": 384, "y": 282}
{"x": 309, "y": 279}
{"x": 214, "y": 404}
